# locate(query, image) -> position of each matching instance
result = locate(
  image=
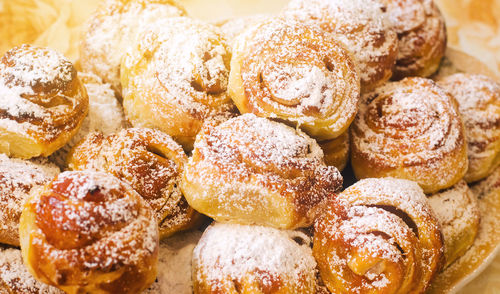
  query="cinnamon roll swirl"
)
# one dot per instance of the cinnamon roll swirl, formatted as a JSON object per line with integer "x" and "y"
{"x": 412, "y": 130}
{"x": 17, "y": 179}
{"x": 250, "y": 170}
{"x": 149, "y": 161}
{"x": 285, "y": 70}
{"x": 175, "y": 81}
{"x": 364, "y": 28}
{"x": 87, "y": 232}
{"x": 382, "y": 238}
{"x": 234, "y": 258}
{"x": 113, "y": 27}
{"x": 422, "y": 36}
{"x": 479, "y": 104}
{"x": 457, "y": 211}
{"x": 42, "y": 102}
{"x": 336, "y": 151}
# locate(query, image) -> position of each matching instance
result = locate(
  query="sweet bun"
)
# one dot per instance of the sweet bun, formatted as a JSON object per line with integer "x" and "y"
{"x": 457, "y": 211}
{"x": 251, "y": 170}
{"x": 234, "y": 258}
{"x": 87, "y": 232}
{"x": 43, "y": 102}
{"x": 362, "y": 26}
{"x": 113, "y": 27}
{"x": 105, "y": 115}
{"x": 175, "y": 82}
{"x": 422, "y": 36}
{"x": 478, "y": 98}
{"x": 17, "y": 179}
{"x": 283, "y": 69}
{"x": 410, "y": 129}
{"x": 150, "y": 162}
{"x": 380, "y": 237}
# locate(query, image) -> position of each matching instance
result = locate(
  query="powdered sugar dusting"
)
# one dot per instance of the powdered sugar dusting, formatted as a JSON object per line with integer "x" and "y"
{"x": 363, "y": 27}
{"x": 379, "y": 221}
{"x": 296, "y": 73}
{"x": 29, "y": 80}
{"x": 149, "y": 160}
{"x": 112, "y": 29}
{"x": 187, "y": 72}
{"x": 105, "y": 115}
{"x": 91, "y": 220}
{"x": 422, "y": 36}
{"x": 458, "y": 213}
{"x": 15, "y": 276}
{"x": 479, "y": 104}
{"x": 174, "y": 264}
{"x": 411, "y": 123}
{"x": 17, "y": 179}
{"x": 228, "y": 252}
{"x": 249, "y": 155}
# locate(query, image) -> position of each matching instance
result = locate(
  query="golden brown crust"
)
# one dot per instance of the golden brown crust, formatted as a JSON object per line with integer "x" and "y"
{"x": 148, "y": 160}
{"x": 43, "y": 102}
{"x": 271, "y": 261}
{"x": 285, "y": 70}
{"x": 88, "y": 232}
{"x": 111, "y": 29}
{"x": 17, "y": 178}
{"x": 382, "y": 238}
{"x": 336, "y": 151}
{"x": 175, "y": 82}
{"x": 363, "y": 27}
{"x": 422, "y": 36}
{"x": 457, "y": 210}
{"x": 412, "y": 130}
{"x": 250, "y": 170}
{"x": 478, "y": 98}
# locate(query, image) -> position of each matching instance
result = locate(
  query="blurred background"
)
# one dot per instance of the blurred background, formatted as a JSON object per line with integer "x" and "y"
{"x": 473, "y": 27}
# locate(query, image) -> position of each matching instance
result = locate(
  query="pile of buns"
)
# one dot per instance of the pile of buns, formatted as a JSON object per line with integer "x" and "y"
{"x": 244, "y": 130}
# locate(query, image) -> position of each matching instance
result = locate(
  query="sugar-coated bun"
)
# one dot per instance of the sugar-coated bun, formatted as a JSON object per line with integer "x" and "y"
{"x": 150, "y": 162}
{"x": 87, "y": 232}
{"x": 113, "y": 28}
{"x": 42, "y": 102}
{"x": 252, "y": 170}
{"x": 234, "y": 258}
{"x": 411, "y": 129}
{"x": 176, "y": 81}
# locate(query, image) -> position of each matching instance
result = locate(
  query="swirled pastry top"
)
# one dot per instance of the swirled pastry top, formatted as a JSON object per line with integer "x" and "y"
{"x": 422, "y": 36}
{"x": 412, "y": 124}
{"x": 175, "y": 81}
{"x": 88, "y": 232}
{"x": 363, "y": 26}
{"x": 231, "y": 256}
{"x": 382, "y": 237}
{"x": 41, "y": 99}
{"x": 283, "y": 69}
{"x": 479, "y": 104}
{"x": 251, "y": 170}
{"x": 150, "y": 161}
{"x": 111, "y": 30}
